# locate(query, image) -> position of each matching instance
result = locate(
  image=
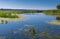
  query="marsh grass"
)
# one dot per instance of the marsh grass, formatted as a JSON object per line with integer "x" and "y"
{"x": 8, "y": 15}
{"x": 32, "y": 34}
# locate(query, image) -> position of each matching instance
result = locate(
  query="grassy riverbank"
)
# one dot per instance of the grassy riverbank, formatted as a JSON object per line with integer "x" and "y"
{"x": 11, "y": 13}
{"x": 55, "y": 12}
{"x": 52, "y": 12}
{"x": 17, "y": 11}
{"x": 8, "y": 15}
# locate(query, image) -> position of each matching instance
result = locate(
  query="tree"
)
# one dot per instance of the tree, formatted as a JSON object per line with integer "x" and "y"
{"x": 58, "y": 6}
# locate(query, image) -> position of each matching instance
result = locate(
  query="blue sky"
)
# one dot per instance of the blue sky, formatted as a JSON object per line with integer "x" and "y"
{"x": 29, "y": 4}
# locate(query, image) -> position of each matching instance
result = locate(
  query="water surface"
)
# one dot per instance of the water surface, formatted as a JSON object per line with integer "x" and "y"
{"x": 36, "y": 20}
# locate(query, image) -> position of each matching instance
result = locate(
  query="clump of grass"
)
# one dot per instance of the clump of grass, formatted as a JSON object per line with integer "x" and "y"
{"x": 8, "y": 15}
{"x": 32, "y": 31}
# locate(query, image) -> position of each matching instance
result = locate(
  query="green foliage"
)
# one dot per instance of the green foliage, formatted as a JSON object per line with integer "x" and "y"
{"x": 18, "y": 11}
{"x": 8, "y": 15}
{"x": 9, "y": 37}
{"x": 58, "y": 37}
{"x": 32, "y": 31}
{"x": 58, "y": 6}
{"x": 45, "y": 34}
{"x": 52, "y": 12}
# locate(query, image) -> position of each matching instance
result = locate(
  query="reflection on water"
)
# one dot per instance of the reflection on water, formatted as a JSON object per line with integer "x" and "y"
{"x": 3, "y": 21}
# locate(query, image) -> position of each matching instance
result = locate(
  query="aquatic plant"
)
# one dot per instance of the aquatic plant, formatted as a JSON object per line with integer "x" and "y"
{"x": 58, "y": 37}
{"x": 32, "y": 31}
{"x": 46, "y": 35}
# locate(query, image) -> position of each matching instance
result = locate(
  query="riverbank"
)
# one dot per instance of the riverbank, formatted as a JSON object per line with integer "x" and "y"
{"x": 55, "y": 22}
{"x": 14, "y": 19}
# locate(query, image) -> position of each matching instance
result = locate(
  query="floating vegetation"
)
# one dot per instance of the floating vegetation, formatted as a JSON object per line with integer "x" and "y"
{"x": 45, "y": 34}
{"x": 58, "y": 37}
{"x": 32, "y": 31}
{"x": 9, "y": 37}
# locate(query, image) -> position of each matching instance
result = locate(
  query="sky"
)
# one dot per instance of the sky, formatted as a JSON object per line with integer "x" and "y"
{"x": 29, "y": 4}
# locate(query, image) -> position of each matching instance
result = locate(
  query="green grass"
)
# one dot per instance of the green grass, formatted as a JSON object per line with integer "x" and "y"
{"x": 52, "y": 12}
{"x": 8, "y": 15}
{"x": 18, "y": 11}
